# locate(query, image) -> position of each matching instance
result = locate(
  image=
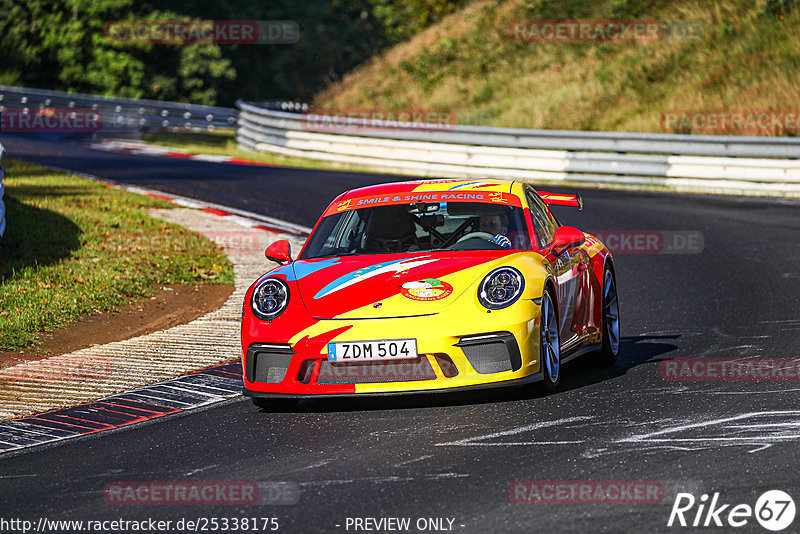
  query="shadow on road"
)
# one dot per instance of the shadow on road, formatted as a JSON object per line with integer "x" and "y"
{"x": 634, "y": 351}
{"x": 582, "y": 372}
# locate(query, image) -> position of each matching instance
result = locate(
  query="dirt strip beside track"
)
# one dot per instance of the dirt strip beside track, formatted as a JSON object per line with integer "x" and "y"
{"x": 103, "y": 370}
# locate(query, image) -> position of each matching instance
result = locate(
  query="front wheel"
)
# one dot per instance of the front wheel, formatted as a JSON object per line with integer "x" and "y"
{"x": 610, "y": 347}
{"x": 549, "y": 344}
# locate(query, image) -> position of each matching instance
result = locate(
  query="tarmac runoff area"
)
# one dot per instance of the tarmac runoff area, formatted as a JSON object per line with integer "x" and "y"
{"x": 104, "y": 370}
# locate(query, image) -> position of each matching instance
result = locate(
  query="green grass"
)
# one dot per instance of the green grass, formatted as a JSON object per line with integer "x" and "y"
{"x": 744, "y": 55}
{"x": 217, "y": 140}
{"x": 73, "y": 247}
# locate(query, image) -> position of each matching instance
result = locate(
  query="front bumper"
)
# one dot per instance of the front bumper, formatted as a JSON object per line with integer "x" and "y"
{"x": 479, "y": 356}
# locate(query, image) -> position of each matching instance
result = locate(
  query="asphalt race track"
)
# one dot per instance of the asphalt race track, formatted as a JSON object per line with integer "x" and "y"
{"x": 295, "y": 195}
{"x": 455, "y": 457}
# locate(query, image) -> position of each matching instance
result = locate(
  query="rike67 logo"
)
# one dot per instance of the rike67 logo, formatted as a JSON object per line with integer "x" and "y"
{"x": 774, "y": 510}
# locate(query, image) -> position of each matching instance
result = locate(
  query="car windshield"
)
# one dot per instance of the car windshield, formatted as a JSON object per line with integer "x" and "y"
{"x": 419, "y": 226}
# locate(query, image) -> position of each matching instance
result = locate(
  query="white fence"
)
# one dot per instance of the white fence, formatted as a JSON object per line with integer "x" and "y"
{"x": 727, "y": 164}
{"x": 735, "y": 164}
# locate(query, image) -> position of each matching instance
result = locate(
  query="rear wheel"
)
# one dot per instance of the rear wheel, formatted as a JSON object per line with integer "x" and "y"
{"x": 549, "y": 344}
{"x": 610, "y": 348}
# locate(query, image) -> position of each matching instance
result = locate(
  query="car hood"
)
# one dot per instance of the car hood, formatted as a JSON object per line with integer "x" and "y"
{"x": 396, "y": 285}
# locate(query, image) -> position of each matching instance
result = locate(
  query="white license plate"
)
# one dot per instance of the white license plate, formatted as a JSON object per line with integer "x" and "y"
{"x": 370, "y": 351}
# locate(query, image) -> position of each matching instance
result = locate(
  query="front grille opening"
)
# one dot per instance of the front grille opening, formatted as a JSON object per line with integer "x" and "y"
{"x": 306, "y": 370}
{"x": 449, "y": 369}
{"x": 268, "y": 363}
{"x": 376, "y": 372}
{"x": 488, "y": 358}
{"x": 496, "y": 352}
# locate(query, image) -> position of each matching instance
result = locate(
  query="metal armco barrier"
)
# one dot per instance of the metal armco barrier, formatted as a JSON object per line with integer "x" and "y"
{"x": 727, "y": 164}
{"x": 121, "y": 114}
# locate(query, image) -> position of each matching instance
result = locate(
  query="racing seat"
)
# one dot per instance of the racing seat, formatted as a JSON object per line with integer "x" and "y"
{"x": 389, "y": 229}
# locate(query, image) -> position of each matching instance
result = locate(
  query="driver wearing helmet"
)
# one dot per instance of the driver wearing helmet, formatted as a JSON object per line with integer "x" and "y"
{"x": 496, "y": 225}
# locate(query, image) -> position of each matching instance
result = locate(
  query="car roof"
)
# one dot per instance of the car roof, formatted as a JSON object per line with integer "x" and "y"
{"x": 416, "y": 186}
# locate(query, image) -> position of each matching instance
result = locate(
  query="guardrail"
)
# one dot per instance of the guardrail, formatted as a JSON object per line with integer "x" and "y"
{"x": 2, "y": 192}
{"x": 728, "y": 164}
{"x": 121, "y": 114}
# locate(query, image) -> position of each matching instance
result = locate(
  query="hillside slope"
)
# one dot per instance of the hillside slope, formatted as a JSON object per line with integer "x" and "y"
{"x": 736, "y": 55}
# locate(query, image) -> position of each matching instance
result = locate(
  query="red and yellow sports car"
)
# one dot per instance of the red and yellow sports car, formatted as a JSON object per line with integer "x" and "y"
{"x": 430, "y": 286}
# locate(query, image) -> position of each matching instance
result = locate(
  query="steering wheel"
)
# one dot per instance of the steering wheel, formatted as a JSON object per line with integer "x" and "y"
{"x": 483, "y": 235}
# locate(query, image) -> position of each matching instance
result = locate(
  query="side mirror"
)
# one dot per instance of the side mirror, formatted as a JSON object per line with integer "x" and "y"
{"x": 280, "y": 252}
{"x": 566, "y": 237}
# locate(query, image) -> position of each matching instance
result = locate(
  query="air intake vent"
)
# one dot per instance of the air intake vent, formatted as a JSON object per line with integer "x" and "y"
{"x": 267, "y": 362}
{"x": 492, "y": 353}
{"x": 306, "y": 370}
{"x": 376, "y": 372}
{"x": 449, "y": 369}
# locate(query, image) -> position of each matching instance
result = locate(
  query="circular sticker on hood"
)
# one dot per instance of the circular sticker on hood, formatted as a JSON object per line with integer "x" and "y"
{"x": 427, "y": 289}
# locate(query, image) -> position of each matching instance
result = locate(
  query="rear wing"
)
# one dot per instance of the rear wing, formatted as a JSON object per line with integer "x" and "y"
{"x": 558, "y": 199}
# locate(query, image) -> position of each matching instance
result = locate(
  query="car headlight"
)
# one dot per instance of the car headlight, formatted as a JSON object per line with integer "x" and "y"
{"x": 270, "y": 298}
{"x": 501, "y": 288}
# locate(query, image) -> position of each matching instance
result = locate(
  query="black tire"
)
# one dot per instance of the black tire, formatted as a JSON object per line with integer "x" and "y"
{"x": 549, "y": 344}
{"x": 609, "y": 350}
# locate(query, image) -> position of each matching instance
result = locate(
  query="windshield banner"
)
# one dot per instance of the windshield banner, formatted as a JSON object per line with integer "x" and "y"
{"x": 484, "y": 197}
